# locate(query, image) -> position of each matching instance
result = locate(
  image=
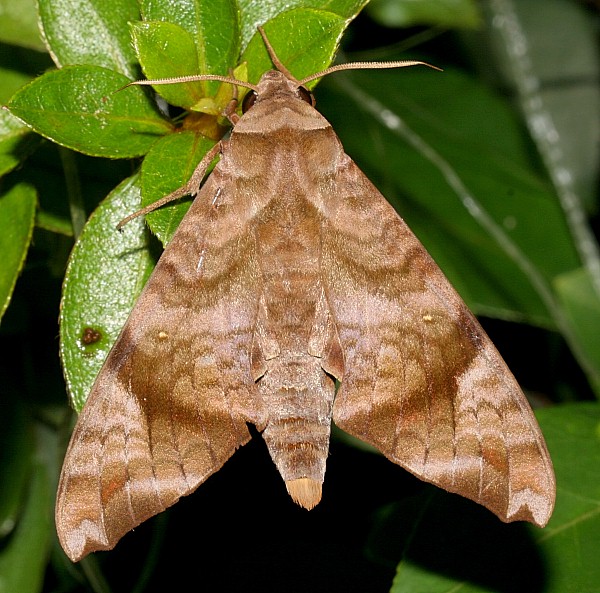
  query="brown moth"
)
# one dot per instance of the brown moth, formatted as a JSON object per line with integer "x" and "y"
{"x": 289, "y": 271}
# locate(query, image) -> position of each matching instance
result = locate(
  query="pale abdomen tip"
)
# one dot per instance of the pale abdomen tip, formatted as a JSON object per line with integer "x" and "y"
{"x": 305, "y": 492}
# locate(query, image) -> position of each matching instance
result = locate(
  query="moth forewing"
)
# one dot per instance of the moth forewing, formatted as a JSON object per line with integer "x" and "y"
{"x": 290, "y": 270}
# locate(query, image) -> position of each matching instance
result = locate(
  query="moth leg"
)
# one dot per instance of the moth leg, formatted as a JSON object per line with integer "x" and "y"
{"x": 230, "y": 111}
{"x": 191, "y": 188}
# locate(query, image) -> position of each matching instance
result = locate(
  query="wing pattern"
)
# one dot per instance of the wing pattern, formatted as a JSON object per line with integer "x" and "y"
{"x": 172, "y": 401}
{"x": 423, "y": 382}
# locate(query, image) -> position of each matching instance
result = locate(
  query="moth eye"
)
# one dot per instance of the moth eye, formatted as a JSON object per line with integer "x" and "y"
{"x": 248, "y": 101}
{"x": 307, "y": 96}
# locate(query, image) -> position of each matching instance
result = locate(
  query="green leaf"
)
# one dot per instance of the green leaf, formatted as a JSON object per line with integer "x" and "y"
{"x": 15, "y": 459}
{"x": 16, "y": 142}
{"x": 167, "y": 167}
{"x": 106, "y": 272}
{"x": 54, "y": 223}
{"x": 213, "y": 26}
{"x": 93, "y": 32}
{"x": 570, "y": 542}
{"x": 581, "y": 305}
{"x": 17, "y": 215}
{"x": 443, "y": 13}
{"x": 442, "y": 148}
{"x": 23, "y": 555}
{"x": 18, "y": 25}
{"x": 258, "y": 13}
{"x": 13, "y": 79}
{"x": 557, "y": 90}
{"x": 305, "y": 41}
{"x": 559, "y": 104}
{"x": 78, "y": 107}
{"x": 166, "y": 50}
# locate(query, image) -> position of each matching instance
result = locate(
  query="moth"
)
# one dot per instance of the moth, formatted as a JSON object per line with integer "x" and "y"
{"x": 291, "y": 271}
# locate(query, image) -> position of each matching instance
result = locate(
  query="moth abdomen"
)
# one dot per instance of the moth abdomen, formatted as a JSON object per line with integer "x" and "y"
{"x": 299, "y": 449}
{"x": 299, "y": 402}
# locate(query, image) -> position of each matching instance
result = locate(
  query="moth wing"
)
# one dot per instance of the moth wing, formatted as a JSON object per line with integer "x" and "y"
{"x": 423, "y": 383}
{"x": 171, "y": 403}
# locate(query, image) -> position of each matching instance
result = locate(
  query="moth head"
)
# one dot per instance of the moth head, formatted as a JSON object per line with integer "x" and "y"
{"x": 275, "y": 83}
